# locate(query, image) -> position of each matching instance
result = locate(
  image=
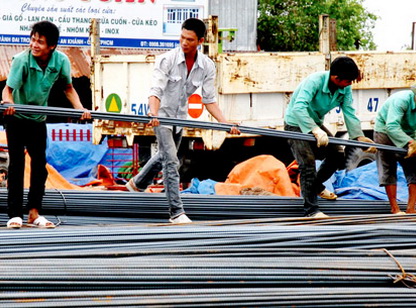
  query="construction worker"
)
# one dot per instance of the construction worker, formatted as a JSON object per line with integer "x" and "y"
{"x": 32, "y": 75}
{"x": 176, "y": 76}
{"x": 312, "y": 100}
{"x": 396, "y": 125}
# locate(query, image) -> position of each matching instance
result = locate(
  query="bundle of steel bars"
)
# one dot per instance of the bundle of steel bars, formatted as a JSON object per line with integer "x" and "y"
{"x": 270, "y": 262}
{"x": 199, "y": 207}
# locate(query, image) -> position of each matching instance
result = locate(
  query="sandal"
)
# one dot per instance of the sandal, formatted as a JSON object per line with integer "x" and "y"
{"x": 326, "y": 194}
{"x": 15, "y": 223}
{"x": 42, "y": 222}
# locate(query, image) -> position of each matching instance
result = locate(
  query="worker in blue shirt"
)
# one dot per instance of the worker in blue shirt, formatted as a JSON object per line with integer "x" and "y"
{"x": 396, "y": 126}
{"x": 32, "y": 74}
{"x": 315, "y": 96}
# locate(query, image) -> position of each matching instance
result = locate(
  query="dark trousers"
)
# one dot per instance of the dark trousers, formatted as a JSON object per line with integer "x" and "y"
{"x": 32, "y": 136}
{"x": 311, "y": 181}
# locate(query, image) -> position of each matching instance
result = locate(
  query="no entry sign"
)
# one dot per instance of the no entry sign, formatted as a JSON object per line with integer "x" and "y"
{"x": 196, "y": 107}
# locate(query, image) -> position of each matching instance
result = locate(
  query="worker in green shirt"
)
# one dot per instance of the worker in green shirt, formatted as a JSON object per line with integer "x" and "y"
{"x": 32, "y": 74}
{"x": 315, "y": 96}
{"x": 396, "y": 125}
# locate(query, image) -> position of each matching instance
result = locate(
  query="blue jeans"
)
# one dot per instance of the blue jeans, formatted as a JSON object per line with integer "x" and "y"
{"x": 166, "y": 158}
{"x": 311, "y": 181}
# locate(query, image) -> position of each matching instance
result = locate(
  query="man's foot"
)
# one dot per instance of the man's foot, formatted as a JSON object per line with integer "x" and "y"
{"x": 326, "y": 194}
{"x": 399, "y": 213}
{"x": 131, "y": 186}
{"x": 318, "y": 214}
{"x": 15, "y": 223}
{"x": 41, "y": 222}
{"x": 181, "y": 219}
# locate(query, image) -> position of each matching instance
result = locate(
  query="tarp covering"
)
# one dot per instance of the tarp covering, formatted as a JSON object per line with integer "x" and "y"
{"x": 362, "y": 183}
{"x": 75, "y": 159}
{"x": 263, "y": 171}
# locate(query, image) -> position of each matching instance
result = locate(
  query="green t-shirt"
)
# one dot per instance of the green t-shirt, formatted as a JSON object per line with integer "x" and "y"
{"x": 31, "y": 85}
{"x": 312, "y": 100}
{"x": 397, "y": 118}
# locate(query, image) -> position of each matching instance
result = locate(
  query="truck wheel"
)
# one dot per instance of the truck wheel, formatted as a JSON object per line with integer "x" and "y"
{"x": 357, "y": 158}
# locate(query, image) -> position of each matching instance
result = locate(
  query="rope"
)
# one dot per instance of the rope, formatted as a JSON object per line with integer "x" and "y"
{"x": 403, "y": 277}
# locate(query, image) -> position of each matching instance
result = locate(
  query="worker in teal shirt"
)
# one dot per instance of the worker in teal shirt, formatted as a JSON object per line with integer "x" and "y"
{"x": 396, "y": 125}
{"x": 315, "y": 96}
{"x": 32, "y": 74}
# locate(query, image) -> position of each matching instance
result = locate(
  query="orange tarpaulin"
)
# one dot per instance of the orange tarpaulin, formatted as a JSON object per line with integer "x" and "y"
{"x": 263, "y": 171}
{"x": 56, "y": 181}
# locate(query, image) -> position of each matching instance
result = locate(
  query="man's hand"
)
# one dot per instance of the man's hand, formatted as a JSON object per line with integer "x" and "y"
{"x": 9, "y": 110}
{"x": 411, "y": 151}
{"x": 153, "y": 120}
{"x": 234, "y": 130}
{"x": 365, "y": 139}
{"x": 321, "y": 137}
{"x": 86, "y": 115}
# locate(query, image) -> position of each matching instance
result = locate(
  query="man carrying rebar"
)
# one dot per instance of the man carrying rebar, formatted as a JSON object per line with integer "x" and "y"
{"x": 32, "y": 74}
{"x": 176, "y": 76}
{"x": 396, "y": 125}
{"x": 315, "y": 96}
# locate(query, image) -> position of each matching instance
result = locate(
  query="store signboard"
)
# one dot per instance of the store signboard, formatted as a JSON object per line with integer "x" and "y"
{"x": 123, "y": 23}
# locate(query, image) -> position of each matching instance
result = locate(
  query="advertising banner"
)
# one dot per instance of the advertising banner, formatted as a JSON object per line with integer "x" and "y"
{"x": 123, "y": 23}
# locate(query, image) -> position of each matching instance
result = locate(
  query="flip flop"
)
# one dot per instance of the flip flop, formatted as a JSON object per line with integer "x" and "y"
{"x": 326, "y": 194}
{"x": 42, "y": 222}
{"x": 15, "y": 223}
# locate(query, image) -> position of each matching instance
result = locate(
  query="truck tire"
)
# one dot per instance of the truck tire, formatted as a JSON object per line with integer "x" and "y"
{"x": 357, "y": 158}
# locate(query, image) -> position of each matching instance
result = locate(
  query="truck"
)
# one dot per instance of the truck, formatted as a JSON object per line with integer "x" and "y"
{"x": 254, "y": 89}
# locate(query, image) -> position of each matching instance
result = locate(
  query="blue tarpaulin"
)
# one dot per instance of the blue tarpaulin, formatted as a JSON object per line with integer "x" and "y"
{"x": 362, "y": 183}
{"x": 75, "y": 159}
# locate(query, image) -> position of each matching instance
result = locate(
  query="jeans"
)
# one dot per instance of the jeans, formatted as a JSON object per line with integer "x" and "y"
{"x": 311, "y": 181}
{"x": 31, "y": 135}
{"x": 167, "y": 159}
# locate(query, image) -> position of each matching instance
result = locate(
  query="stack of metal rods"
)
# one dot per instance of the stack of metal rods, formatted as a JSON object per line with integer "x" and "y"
{"x": 208, "y": 239}
{"x": 218, "y": 297}
{"x": 199, "y": 207}
{"x": 245, "y": 263}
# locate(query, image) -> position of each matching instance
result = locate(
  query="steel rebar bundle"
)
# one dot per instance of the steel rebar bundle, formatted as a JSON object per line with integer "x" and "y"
{"x": 76, "y": 113}
{"x": 199, "y": 207}
{"x": 248, "y": 264}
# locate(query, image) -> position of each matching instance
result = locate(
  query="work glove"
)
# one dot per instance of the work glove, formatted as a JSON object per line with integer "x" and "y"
{"x": 365, "y": 139}
{"x": 411, "y": 151}
{"x": 321, "y": 137}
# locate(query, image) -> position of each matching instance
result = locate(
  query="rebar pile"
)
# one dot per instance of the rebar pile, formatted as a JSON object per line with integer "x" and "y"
{"x": 116, "y": 248}
{"x": 154, "y": 207}
{"x": 269, "y": 262}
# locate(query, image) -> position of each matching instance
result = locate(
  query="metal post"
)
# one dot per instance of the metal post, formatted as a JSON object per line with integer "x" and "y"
{"x": 324, "y": 39}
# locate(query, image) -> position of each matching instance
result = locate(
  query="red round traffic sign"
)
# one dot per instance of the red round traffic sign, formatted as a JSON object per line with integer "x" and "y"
{"x": 195, "y": 106}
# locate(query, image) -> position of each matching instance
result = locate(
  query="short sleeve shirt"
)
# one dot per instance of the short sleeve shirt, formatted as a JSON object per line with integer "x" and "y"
{"x": 31, "y": 85}
{"x": 397, "y": 118}
{"x": 172, "y": 85}
{"x": 312, "y": 100}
